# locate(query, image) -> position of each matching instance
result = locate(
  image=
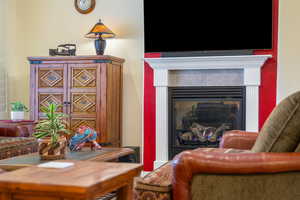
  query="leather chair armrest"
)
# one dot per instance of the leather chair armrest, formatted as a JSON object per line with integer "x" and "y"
{"x": 189, "y": 163}
{"x": 238, "y": 139}
{"x": 17, "y": 130}
{"x": 25, "y": 130}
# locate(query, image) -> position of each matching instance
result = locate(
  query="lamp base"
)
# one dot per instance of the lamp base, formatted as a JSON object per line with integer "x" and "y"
{"x": 100, "y": 45}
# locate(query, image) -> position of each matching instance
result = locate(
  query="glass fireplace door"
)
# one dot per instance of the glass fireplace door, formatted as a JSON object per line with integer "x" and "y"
{"x": 201, "y": 121}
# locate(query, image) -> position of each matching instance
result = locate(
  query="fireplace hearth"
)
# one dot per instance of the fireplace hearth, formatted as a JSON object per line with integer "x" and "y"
{"x": 200, "y": 115}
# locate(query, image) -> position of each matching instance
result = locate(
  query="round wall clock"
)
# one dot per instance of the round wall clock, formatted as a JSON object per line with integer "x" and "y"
{"x": 85, "y": 6}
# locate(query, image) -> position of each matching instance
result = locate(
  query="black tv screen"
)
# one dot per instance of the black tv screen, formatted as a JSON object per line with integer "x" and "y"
{"x": 205, "y": 25}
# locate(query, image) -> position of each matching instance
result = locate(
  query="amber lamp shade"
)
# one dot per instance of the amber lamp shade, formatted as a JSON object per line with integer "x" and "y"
{"x": 100, "y": 33}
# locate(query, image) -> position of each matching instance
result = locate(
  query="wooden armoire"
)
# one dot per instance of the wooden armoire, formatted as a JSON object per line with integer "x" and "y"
{"x": 89, "y": 88}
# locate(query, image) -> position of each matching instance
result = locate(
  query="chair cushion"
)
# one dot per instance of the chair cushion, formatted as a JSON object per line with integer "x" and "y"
{"x": 281, "y": 131}
{"x": 274, "y": 186}
{"x": 156, "y": 185}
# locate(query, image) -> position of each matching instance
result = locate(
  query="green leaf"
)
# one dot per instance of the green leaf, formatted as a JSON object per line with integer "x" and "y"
{"x": 40, "y": 134}
{"x": 18, "y": 107}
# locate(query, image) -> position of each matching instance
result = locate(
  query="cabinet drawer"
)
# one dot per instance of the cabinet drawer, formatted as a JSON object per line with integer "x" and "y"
{"x": 51, "y": 75}
{"x": 77, "y": 122}
{"x": 83, "y": 75}
{"x": 83, "y": 103}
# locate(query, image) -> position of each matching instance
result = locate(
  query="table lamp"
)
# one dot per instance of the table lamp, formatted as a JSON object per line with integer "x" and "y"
{"x": 100, "y": 33}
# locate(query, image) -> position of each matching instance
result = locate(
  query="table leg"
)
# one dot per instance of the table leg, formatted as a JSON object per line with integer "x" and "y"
{"x": 126, "y": 192}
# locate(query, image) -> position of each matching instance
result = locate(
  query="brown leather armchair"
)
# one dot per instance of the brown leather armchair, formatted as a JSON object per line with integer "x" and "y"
{"x": 213, "y": 174}
{"x": 16, "y": 129}
{"x": 234, "y": 172}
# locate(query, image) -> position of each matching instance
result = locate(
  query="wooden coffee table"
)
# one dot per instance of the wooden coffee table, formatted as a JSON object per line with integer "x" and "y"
{"x": 84, "y": 181}
{"x": 103, "y": 155}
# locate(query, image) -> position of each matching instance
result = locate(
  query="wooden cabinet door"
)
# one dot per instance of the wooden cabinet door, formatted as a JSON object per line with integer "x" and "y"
{"x": 51, "y": 87}
{"x": 84, "y": 80}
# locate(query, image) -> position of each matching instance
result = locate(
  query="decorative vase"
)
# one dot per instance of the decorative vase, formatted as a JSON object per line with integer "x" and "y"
{"x": 100, "y": 45}
{"x": 17, "y": 116}
{"x": 52, "y": 152}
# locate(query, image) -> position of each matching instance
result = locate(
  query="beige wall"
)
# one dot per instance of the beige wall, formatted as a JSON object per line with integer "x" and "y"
{"x": 2, "y": 73}
{"x": 2, "y": 22}
{"x": 289, "y": 48}
{"x": 43, "y": 24}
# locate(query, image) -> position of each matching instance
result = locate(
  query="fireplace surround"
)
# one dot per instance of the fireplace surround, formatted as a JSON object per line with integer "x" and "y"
{"x": 203, "y": 71}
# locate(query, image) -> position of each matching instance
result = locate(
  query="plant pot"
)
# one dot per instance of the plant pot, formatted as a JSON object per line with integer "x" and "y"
{"x": 52, "y": 152}
{"x": 17, "y": 116}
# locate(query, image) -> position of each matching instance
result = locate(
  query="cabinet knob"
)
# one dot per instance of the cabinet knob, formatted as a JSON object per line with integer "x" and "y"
{"x": 67, "y": 103}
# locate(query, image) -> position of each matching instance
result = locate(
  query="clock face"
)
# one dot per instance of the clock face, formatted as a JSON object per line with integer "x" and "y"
{"x": 85, "y": 6}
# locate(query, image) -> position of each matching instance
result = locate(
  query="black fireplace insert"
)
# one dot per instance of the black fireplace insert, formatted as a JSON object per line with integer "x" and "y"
{"x": 199, "y": 116}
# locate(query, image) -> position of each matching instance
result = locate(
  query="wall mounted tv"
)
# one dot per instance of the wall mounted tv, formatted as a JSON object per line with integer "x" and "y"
{"x": 207, "y": 25}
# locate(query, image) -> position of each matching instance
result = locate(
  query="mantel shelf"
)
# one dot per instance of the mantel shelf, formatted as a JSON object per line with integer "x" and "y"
{"x": 208, "y": 62}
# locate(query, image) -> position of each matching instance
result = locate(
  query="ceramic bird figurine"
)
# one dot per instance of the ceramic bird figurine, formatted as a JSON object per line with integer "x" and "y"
{"x": 83, "y": 134}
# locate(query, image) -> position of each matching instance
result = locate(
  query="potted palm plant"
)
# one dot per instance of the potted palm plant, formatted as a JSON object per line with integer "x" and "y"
{"x": 51, "y": 134}
{"x": 18, "y": 110}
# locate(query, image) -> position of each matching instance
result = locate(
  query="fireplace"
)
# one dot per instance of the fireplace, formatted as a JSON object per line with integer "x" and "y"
{"x": 219, "y": 72}
{"x": 200, "y": 115}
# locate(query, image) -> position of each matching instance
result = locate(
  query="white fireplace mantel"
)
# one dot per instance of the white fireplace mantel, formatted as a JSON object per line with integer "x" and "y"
{"x": 249, "y": 64}
{"x": 208, "y": 62}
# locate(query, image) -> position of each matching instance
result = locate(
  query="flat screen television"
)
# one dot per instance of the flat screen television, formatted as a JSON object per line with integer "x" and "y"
{"x": 207, "y": 25}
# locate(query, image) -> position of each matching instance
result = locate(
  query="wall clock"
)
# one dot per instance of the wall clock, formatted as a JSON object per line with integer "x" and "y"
{"x": 85, "y": 6}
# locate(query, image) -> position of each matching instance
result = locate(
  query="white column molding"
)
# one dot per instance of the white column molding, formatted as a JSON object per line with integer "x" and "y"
{"x": 252, "y": 83}
{"x": 161, "y": 82}
{"x": 161, "y": 126}
{"x": 161, "y": 77}
{"x": 252, "y": 108}
{"x": 252, "y": 76}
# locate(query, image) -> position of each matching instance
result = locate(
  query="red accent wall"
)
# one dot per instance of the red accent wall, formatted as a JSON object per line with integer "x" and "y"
{"x": 268, "y": 88}
{"x": 149, "y": 114}
{"x": 267, "y": 99}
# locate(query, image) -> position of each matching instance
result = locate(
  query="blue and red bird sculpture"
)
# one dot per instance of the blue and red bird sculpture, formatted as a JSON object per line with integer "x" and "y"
{"x": 83, "y": 135}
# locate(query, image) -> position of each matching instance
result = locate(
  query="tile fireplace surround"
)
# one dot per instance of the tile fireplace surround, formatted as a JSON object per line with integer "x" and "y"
{"x": 204, "y": 71}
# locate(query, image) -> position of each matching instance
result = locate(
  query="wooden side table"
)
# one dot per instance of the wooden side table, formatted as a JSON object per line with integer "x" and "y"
{"x": 9, "y": 128}
{"x": 85, "y": 180}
